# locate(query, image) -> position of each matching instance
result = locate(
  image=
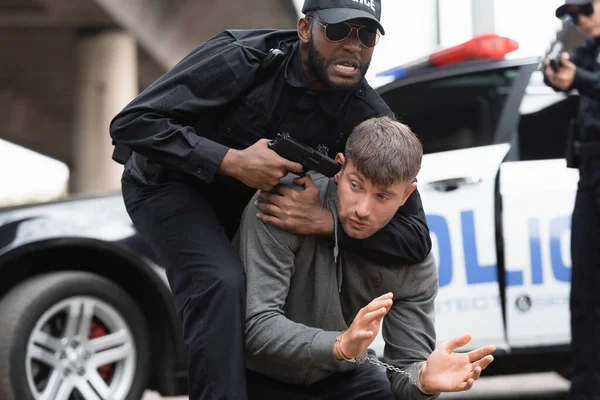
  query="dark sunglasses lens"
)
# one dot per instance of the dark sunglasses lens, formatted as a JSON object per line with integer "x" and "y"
{"x": 368, "y": 36}
{"x": 586, "y": 9}
{"x": 337, "y": 32}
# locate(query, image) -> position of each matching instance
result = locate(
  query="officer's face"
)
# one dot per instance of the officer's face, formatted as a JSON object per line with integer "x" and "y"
{"x": 341, "y": 64}
{"x": 588, "y": 24}
{"x": 364, "y": 208}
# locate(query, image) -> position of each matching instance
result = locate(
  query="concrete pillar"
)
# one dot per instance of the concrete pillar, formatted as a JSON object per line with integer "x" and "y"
{"x": 455, "y": 21}
{"x": 483, "y": 17}
{"x": 107, "y": 79}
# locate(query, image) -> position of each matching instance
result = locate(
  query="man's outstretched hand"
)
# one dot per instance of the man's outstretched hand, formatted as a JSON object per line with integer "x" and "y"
{"x": 447, "y": 371}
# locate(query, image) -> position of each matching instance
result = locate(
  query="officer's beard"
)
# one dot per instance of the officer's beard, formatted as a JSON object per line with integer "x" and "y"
{"x": 318, "y": 67}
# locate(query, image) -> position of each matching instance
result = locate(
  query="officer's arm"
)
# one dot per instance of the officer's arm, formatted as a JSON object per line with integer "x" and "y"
{"x": 409, "y": 330}
{"x": 586, "y": 82}
{"x": 159, "y": 123}
{"x": 579, "y": 54}
{"x": 280, "y": 345}
{"x": 405, "y": 239}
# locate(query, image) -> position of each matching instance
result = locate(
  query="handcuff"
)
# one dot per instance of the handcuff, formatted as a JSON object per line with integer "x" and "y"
{"x": 413, "y": 372}
{"x": 356, "y": 360}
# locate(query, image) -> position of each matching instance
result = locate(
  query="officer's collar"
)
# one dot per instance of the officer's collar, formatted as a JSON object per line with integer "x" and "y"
{"x": 294, "y": 73}
{"x": 331, "y": 102}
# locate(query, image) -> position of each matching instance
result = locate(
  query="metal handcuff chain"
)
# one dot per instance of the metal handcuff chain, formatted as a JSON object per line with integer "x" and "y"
{"x": 375, "y": 361}
{"x": 387, "y": 366}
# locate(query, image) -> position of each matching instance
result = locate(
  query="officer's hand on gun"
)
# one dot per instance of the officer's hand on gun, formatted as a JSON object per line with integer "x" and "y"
{"x": 257, "y": 166}
{"x": 563, "y": 77}
{"x": 260, "y": 167}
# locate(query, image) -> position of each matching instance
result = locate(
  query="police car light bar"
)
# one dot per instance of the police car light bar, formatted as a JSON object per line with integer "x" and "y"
{"x": 486, "y": 46}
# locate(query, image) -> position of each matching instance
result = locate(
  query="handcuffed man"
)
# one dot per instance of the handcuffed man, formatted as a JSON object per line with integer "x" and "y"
{"x": 313, "y": 309}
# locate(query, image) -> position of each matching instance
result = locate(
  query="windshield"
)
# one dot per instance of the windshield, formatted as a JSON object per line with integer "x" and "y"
{"x": 454, "y": 113}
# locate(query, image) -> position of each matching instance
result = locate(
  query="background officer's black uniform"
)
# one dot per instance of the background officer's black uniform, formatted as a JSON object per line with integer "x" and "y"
{"x": 179, "y": 129}
{"x": 585, "y": 228}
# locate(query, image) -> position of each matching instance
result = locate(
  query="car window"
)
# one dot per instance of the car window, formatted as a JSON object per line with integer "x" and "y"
{"x": 454, "y": 113}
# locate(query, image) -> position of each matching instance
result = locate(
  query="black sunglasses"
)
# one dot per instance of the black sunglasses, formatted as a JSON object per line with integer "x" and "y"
{"x": 576, "y": 11}
{"x": 368, "y": 36}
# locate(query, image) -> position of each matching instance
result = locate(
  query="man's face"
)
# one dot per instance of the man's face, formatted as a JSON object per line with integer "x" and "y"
{"x": 364, "y": 208}
{"x": 338, "y": 65}
{"x": 588, "y": 24}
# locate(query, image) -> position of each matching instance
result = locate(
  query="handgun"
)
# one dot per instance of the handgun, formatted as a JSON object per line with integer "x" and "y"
{"x": 555, "y": 54}
{"x": 310, "y": 159}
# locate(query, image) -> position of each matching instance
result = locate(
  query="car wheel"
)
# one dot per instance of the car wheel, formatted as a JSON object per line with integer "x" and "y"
{"x": 71, "y": 336}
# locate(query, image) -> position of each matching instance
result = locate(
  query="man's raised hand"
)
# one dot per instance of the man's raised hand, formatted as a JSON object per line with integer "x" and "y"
{"x": 364, "y": 328}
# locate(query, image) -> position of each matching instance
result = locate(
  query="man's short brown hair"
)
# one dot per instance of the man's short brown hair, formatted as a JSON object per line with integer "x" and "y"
{"x": 385, "y": 151}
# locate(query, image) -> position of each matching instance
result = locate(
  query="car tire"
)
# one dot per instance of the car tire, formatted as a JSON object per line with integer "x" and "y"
{"x": 108, "y": 327}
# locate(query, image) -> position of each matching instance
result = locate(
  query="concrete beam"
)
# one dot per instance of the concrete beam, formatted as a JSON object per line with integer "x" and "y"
{"x": 54, "y": 13}
{"x": 169, "y": 30}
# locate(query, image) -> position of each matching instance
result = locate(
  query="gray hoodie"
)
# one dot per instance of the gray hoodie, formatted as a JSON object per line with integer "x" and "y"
{"x": 302, "y": 292}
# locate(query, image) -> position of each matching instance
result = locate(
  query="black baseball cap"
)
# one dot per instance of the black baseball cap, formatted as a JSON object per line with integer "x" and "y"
{"x": 562, "y": 10}
{"x": 335, "y": 11}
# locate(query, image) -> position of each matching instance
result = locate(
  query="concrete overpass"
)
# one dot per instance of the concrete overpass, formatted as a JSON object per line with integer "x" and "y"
{"x": 70, "y": 65}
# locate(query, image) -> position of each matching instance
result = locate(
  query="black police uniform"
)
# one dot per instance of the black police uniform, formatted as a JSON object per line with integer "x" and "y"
{"x": 219, "y": 97}
{"x": 585, "y": 228}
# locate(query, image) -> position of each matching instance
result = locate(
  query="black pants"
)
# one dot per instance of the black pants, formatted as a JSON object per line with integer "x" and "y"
{"x": 585, "y": 285}
{"x": 206, "y": 277}
{"x": 368, "y": 382}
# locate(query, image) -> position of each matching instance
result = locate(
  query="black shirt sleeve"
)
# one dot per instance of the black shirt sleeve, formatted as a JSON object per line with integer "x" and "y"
{"x": 587, "y": 83}
{"x": 172, "y": 121}
{"x": 405, "y": 239}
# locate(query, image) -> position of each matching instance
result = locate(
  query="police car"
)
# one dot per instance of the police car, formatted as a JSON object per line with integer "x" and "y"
{"x": 85, "y": 307}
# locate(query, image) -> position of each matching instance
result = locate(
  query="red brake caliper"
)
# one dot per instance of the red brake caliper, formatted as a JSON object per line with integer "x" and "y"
{"x": 98, "y": 330}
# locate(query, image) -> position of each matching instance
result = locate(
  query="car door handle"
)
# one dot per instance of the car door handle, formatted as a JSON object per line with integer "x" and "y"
{"x": 448, "y": 185}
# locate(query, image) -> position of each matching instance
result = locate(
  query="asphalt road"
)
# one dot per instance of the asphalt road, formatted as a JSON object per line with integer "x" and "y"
{"x": 546, "y": 386}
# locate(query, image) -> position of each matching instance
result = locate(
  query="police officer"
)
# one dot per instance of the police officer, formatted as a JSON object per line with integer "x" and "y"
{"x": 581, "y": 71}
{"x": 199, "y": 138}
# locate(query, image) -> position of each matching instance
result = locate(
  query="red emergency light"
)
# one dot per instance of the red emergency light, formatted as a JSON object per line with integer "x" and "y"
{"x": 486, "y": 46}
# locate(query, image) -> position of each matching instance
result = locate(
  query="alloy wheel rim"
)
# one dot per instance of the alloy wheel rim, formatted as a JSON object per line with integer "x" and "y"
{"x": 80, "y": 348}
